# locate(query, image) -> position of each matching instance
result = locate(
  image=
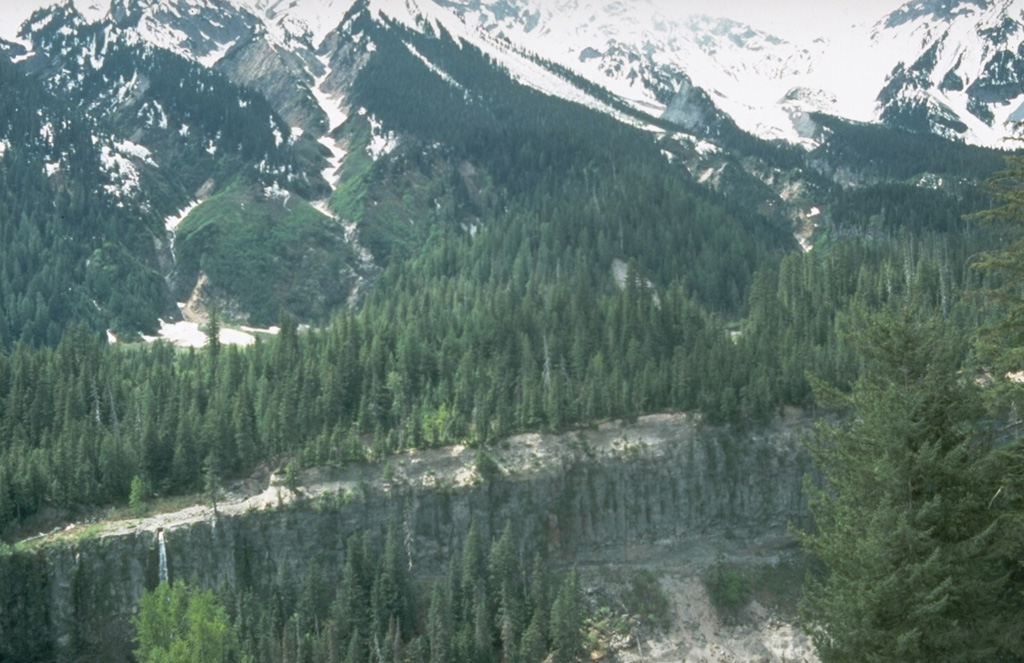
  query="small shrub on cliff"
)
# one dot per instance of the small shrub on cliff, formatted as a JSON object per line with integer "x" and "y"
{"x": 646, "y": 597}
{"x": 486, "y": 466}
{"x": 728, "y": 588}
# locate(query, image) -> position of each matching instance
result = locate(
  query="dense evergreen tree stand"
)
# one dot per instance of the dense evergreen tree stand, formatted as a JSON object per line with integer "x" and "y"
{"x": 919, "y": 517}
{"x": 180, "y": 624}
{"x": 490, "y": 606}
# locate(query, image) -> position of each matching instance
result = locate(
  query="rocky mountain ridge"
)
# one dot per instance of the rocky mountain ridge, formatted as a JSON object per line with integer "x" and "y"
{"x": 203, "y": 111}
{"x": 767, "y": 85}
{"x": 950, "y": 68}
{"x": 968, "y": 78}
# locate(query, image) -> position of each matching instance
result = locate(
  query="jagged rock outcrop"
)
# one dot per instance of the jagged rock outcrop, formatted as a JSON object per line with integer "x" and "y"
{"x": 282, "y": 76}
{"x": 588, "y": 494}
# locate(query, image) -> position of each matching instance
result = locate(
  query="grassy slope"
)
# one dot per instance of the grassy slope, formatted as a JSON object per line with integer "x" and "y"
{"x": 267, "y": 253}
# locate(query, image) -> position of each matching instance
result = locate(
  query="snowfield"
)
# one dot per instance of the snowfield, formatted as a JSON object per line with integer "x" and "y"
{"x": 644, "y": 51}
{"x": 186, "y": 334}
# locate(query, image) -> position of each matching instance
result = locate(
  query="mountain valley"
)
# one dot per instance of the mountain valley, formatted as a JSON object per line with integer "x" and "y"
{"x": 518, "y": 330}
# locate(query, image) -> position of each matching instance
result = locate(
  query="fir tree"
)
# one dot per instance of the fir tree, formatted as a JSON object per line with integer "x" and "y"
{"x": 566, "y": 620}
{"x": 905, "y": 524}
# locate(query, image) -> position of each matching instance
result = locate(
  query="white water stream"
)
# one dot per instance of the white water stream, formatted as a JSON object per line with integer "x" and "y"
{"x": 163, "y": 556}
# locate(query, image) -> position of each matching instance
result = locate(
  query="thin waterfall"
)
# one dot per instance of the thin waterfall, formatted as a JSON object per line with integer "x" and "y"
{"x": 163, "y": 555}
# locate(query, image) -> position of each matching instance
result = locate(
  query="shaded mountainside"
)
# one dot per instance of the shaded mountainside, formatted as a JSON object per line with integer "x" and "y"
{"x": 666, "y": 484}
{"x": 232, "y": 162}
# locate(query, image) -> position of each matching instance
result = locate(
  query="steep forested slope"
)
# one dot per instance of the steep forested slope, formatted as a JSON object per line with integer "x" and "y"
{"x": 71, "y": 250}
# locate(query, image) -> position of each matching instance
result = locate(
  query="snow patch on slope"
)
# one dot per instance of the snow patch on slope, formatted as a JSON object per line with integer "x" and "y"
{"x": 276, "y": 192}
{"x": 131, "y": 149}
{"x": 331, "y": 106}
{"x": 161, "y": 35}
{"x": 186, "y": 334}
{"x": 172, "y": 222}
{"x": 381, "y": 142}
{"x": 216, "y": 55}
{"x": 434, "y": 68}
{"x": 118, "y": 162}
{"x": 338, "y": 153}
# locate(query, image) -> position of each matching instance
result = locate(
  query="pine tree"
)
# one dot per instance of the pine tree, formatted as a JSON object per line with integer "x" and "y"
{"x": 356, "y": 650}
{"x": 349, "y": 610}
{"x": 533, "y": 647}
{"x": 506, "y": 579}
{"x": 539, "y": 591}
{"x": 566, "y": 620}
{"x": 905, "y": 524}
{"x": 1001, "y": 341}
{"x": 137, "y": 497}
{"x": 439, "y": 626}
{"x": 213, "y": 337}
{"x": 390, "y": 598}
{"x": 471, "y": 570}
{"x": 481, "y": 624}
{"x": 211, "y": 478}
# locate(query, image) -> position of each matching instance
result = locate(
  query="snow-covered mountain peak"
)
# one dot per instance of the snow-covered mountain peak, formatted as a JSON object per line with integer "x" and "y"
{"x": 87, "y": 11}
{"x": 313, "y": 18}
{"x": 63, "y": 15}
{"x": 959, "y": 68}
{"x": 954, "y": 67}
{"x": 932, "y": 10}
{"x": 747, "y": 51}
{"x": 201, "y": 30}
{"x": 650, "y": 56}
{"x": 740, "y": 34}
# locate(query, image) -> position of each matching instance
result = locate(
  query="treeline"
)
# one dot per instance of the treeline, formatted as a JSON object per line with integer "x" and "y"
{"x": 888, "y": 209}
{"x": 603, "y": 185}
{"x": 600, "y": 283}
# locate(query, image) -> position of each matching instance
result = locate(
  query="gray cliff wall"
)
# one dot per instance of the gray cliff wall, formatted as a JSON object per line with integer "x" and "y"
{"x": 581, "y": 495}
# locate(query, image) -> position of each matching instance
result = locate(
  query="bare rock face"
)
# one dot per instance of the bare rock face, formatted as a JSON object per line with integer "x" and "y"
{"x": 689, "y": 108}
{"x": 592, "y": 496}
{"x": 284, "y": 77}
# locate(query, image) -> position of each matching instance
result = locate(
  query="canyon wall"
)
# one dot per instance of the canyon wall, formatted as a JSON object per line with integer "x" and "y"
{"x": 585, "y": 495}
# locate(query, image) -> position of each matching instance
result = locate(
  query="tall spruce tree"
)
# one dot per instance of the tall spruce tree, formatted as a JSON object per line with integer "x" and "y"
{"x": 566, "y": 620}
{"x": 907, "y": 525}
